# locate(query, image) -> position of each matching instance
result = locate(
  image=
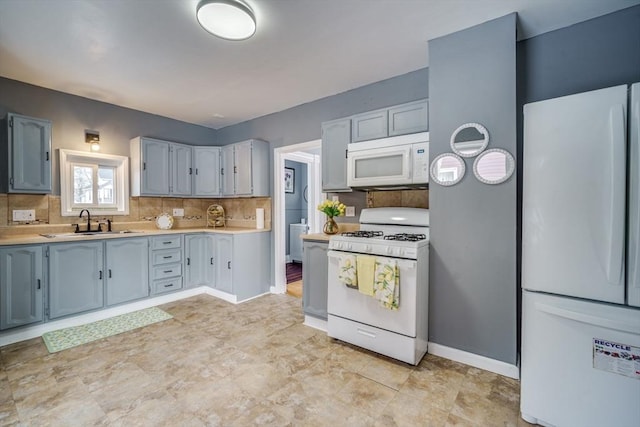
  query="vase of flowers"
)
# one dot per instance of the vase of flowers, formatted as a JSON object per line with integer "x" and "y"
{"x": 331, "y": 209}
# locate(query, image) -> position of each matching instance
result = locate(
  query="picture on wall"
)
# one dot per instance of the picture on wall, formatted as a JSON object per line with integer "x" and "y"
{"x": 289, "y": 176}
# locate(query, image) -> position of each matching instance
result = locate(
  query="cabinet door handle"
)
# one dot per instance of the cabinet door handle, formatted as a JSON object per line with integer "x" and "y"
{"x": 47, "y": 156}
{"x": 229, "y": 265}
{"x": 188, "y": 261}
{"x": 345, "y": 153}
{"x": 196, "y": 171}
{"x": 170, "y": 285}
{"x": 221, "y": 171}
{"x": 167, "y": 243}
{"x": 168, "y": 257}
{"x": 168, "y": 271}
{"x": 100, "y": 275}
{"x": 39, "y": 284}
{"x": 211, "y": 260}
{"x": 144, "y": 166}
{"x": 190, "y": 171}
{"x": 235, "y": 169}
{"x": 109, "y": 273}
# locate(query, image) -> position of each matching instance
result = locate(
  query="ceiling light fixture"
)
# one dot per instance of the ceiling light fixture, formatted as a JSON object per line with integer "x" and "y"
{"x": 227, "y": 19}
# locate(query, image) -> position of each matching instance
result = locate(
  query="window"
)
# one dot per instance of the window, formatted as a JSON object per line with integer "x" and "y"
{"x": 99, "y": 182}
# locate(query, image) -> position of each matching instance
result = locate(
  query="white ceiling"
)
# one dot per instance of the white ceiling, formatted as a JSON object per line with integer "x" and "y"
{"x": 152, "y": 55}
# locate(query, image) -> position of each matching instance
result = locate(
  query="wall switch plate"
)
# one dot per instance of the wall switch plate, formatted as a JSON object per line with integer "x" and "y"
{"x": 178, "y": 212}
{"x": 24, "y": 215}
{"x": 335, "y": 199}
{"x": 350, "y": 211}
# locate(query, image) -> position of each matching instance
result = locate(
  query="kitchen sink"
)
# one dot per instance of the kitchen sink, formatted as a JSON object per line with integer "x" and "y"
{"x": 89, "y": 233}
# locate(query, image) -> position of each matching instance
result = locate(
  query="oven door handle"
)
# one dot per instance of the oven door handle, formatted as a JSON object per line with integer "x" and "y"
{"x": 402, "y": 263}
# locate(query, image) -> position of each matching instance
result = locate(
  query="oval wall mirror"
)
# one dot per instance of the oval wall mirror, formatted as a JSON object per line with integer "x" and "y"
{"x": 447, "y": 169}
{"x": 494, "y": 166}
{"x": 469, "y": 139}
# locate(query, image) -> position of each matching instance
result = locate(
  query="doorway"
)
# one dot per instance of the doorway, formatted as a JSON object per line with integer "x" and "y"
{"x": 307, "y": 155}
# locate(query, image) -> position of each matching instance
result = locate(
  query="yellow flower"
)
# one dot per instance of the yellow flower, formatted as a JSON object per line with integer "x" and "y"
{"x": 331, "y": 208}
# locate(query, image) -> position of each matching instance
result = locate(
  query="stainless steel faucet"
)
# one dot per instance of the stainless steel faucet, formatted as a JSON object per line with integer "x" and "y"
{"x": 88, "y": 219}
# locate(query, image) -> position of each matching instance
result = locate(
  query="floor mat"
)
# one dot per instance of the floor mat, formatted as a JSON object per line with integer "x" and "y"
{"x": 63, "y": 339}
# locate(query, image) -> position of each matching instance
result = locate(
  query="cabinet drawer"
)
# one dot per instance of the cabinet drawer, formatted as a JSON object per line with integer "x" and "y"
{"x": 166, "y": 271}
{"x": 162, "y": 286}
{"x": 166, "y": 242}
{"x": 166, "y": 257}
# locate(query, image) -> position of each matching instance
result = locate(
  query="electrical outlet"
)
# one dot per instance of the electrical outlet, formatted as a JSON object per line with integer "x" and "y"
{"x": 24, "y": 215}
{"x": 178, "y": 212}
{"x": 335, "y": 199}
{"x": 350, "y": 211}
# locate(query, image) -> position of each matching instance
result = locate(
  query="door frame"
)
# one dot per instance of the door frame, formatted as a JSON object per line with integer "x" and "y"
{"x": 295, "y": 153}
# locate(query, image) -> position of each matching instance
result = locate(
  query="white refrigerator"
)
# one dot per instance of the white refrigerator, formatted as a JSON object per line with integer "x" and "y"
{"x": 580, "y": 356}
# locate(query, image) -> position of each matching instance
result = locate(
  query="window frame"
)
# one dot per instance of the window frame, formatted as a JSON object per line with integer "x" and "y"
{"x": 69, "y": 158}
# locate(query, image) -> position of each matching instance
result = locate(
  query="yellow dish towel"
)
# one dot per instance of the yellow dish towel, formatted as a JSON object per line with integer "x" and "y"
{"x": 387, "y": 283}
{"x": 347, "y": 273}
{"x": 366, "y": 265}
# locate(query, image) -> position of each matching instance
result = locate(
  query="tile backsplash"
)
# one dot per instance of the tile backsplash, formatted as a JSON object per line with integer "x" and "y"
{"x": 239, "y": 212}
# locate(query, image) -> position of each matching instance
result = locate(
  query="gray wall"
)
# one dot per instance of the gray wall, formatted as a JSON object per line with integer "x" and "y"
{"x": 473, "y": 226}
{"x": 71, "y": 115}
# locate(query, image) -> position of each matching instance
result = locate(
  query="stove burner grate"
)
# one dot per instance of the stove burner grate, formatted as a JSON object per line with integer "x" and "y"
{"x": 361, "y": 233}
{"x": 406, "y": 237}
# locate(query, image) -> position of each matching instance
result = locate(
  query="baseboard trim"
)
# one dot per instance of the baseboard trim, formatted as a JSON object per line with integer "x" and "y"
{"x": 474, "y": 360}
{"x": 314, "y": 322}
{"x": 36, "y": 331}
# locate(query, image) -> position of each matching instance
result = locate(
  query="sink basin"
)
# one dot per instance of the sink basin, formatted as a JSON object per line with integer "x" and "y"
{"x": 88, "y": 233}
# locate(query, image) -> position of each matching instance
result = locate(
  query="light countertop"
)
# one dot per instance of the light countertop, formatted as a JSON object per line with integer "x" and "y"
{"x": 21, "y": 239}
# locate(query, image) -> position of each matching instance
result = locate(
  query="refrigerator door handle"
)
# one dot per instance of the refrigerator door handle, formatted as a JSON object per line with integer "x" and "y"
{"x": 634, "y": 223}
{"x": 589, "y": 319}
{"x": 617, "y": 194}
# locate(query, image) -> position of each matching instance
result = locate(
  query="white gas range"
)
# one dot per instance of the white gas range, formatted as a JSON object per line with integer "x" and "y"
{"x": 399, "y": 236}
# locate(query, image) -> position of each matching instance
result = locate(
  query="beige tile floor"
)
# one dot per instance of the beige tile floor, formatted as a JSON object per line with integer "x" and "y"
{"x": 219, "y": 364}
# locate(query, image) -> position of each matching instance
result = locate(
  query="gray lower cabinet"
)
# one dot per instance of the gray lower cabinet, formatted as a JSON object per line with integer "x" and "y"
{"x": 165, "y": 263}
{"x": 76, "y": 272}
{"x": 336, "y": 136}
{"x": 242, "y": 264}
{"x": 127, "y": 269}
{"x": 21, "y": 286}
{"x": 25, "y": 157}
{"x": 314, "y": 278}
{"x": 199, "y": 260}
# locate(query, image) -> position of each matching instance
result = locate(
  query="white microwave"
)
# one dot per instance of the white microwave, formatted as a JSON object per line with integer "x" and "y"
{"x": 397, "y": 162}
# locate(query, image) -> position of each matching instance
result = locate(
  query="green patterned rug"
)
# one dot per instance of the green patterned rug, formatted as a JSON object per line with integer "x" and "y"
{"x": 63, "y": 339}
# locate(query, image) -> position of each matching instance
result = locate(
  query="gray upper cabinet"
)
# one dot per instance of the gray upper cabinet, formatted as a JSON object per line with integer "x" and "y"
{"x": 200, "y": 260}
{"x": 149, "y": 167}
{"x": 371, "y": 125}
{"x": 181, "y": 169}
{"x": 206, "y": 176}
{"x": 314, "y": 279}
{"x": 75, "y": 278}
{"x": 409, "y": 118}
{"x": 244, "y": 169}
{"x": 127, "y": 270}
{"x": 21, "y": 286}
{"x": 336, "y": 136}
{"x": 226, "y": 170}
{"x": 25, "y": 152}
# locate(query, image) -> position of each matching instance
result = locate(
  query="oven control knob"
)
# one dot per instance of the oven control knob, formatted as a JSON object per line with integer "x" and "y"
{"x": 389, "y": 250}
{"x": 400, "y": 251}
{"x": 367, "y": 248}
{"x": 349, "y": 246}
